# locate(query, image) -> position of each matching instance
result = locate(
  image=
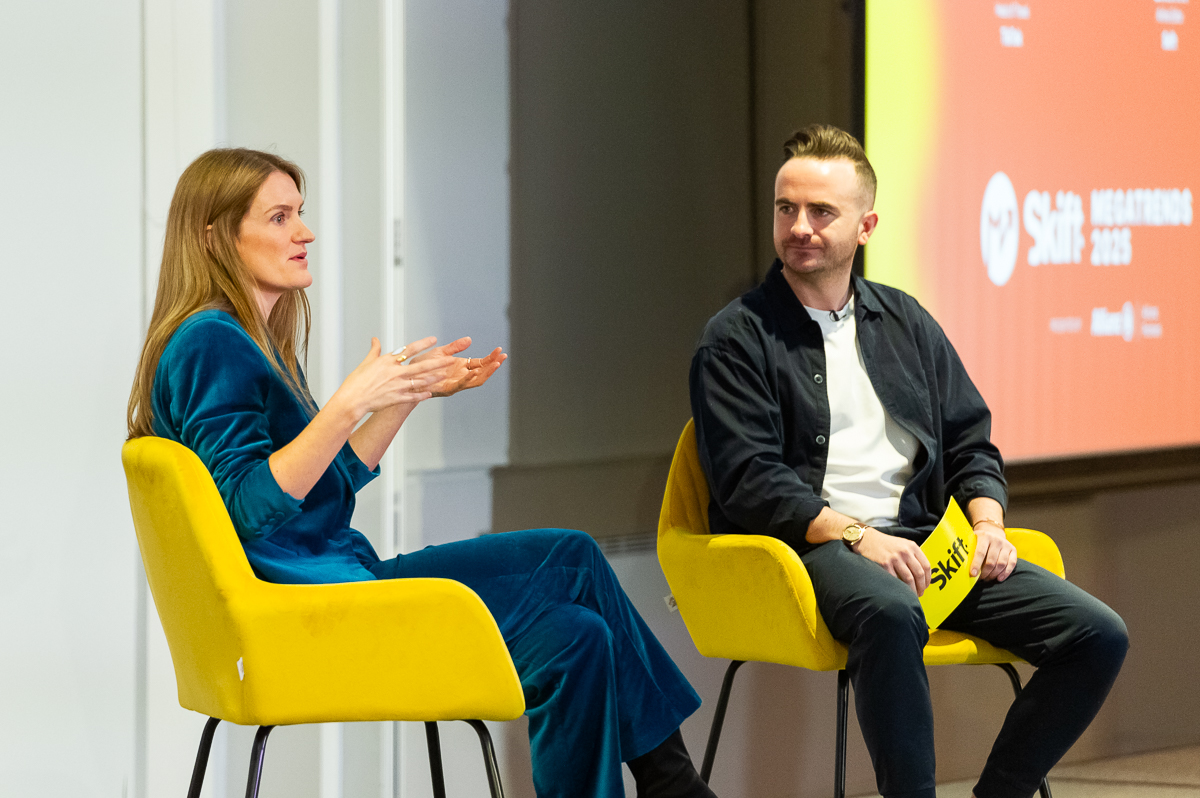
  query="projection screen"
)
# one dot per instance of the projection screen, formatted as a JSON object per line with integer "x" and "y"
{"x": 1037, "y": 163}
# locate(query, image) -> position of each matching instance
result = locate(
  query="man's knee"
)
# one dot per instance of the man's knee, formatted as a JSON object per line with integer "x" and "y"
{"x": 1105, "y": 635}
{"x": 896, "y": 617}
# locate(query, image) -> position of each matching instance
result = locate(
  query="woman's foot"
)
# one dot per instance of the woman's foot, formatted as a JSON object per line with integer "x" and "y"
{"x": 668, "y": 772}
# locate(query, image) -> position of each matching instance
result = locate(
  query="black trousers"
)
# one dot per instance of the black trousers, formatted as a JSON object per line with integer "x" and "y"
{"x": 1074, "y": 640}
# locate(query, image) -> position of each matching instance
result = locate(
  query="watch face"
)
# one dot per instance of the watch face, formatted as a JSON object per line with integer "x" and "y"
{"x": 852, "y": 534}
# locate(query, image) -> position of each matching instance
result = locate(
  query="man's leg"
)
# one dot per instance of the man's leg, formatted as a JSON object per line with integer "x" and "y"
{"x": 1077, "y": 645}
{"x": 880, "y": 620}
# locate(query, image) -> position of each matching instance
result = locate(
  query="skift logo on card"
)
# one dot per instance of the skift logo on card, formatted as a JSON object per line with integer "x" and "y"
{"x": 943, "y": 570}
{"x": 949, "y": 549}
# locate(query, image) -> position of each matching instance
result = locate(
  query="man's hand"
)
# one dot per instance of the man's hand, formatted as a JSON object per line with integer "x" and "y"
{"x": 901, "y": 558}
{"x": 995, "y": 557}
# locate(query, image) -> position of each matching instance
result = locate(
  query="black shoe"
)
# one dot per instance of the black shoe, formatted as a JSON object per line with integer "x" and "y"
{"x": 668, "y": 772}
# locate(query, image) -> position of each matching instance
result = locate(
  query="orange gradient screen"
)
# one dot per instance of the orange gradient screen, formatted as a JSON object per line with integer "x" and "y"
{"x": 1037, "y": 165}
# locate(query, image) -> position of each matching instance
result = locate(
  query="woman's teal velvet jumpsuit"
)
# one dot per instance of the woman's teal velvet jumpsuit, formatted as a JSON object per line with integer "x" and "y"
{"x": 599, "y": 688}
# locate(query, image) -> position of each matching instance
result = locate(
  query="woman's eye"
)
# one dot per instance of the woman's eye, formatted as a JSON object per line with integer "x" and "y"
{"x": 277, "y": 218}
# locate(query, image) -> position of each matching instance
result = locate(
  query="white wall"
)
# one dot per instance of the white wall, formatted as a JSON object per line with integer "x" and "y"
{"x": 455, "y": 254}
{"x": 455, "y": 235}
{"x": 70, "y": 207}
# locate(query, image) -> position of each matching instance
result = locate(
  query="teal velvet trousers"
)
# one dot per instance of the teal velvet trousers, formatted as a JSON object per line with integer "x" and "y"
{"x": 599, "y": 688}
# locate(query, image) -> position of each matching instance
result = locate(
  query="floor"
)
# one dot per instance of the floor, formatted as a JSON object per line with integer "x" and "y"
{"x": 1174, "y": 773}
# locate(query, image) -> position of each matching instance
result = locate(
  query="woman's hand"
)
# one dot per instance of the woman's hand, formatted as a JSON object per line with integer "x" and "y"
{"x": 382, "y": 379}
{"x": 464, "y": 372}
{"x": 393, "y": 383}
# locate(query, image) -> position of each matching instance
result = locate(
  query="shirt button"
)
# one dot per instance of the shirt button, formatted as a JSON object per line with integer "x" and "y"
{"x": 821, "y": 440}
{"x": 818, "y": 379}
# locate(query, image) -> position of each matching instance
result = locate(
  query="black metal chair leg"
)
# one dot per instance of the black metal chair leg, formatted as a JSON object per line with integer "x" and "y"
{"x": 1015, "y": 678}
{"x": 714, "y": 733}
{"x": 489, "y": 758}
{"x": 257, "y": 753}
{"x": 435, "y": 759}
{"x": 839, "y": 755}
{"x": 206, "y": 738}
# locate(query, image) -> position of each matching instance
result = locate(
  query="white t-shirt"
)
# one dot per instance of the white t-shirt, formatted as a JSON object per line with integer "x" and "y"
{"x": 870, "y": 455}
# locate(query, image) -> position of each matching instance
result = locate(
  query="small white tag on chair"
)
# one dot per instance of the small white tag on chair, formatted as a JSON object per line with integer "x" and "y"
{"x": 669, "y": 600}
{"x": 241, "y": 670}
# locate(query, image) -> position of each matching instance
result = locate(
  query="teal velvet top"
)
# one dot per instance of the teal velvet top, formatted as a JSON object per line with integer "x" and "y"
{"x": 216, "y": 393}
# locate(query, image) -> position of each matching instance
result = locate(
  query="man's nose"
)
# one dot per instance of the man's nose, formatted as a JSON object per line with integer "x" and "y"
{"x": 802, "y": 229}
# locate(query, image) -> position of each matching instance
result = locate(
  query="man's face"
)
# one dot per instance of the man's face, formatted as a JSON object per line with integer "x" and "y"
{"x": 821, "y": 216}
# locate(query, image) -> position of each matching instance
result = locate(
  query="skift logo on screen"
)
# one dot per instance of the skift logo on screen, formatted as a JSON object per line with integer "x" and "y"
{"x": 1055, "y": 223}
{"x": 999, "y": 229}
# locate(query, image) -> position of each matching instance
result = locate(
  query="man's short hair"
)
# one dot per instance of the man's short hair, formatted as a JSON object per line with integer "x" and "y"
{"x": 828, "y": 143}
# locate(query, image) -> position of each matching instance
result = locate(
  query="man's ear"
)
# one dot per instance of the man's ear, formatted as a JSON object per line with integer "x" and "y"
{"x": 866, "y": 226}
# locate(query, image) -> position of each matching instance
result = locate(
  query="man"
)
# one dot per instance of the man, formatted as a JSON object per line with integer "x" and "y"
{"x": 832, "y": 413}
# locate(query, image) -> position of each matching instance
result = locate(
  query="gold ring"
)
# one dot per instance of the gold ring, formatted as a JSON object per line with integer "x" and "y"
{"x": 412, "y": 386}
{"x": 402, "y": 358}
{"x": 469, "y": 362}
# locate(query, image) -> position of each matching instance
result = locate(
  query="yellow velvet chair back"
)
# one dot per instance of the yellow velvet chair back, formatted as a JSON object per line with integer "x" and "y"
{"x": 195, "y": 565}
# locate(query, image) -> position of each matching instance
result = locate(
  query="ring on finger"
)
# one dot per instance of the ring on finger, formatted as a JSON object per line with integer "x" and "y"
{"x": 412, "y": 385}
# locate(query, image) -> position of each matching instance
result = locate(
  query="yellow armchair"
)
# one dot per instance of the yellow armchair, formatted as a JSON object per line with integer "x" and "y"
{"x": 255, "y": 653}
{"x": 749, "y": 598}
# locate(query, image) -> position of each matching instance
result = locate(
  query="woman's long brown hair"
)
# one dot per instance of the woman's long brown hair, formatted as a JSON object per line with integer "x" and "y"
{"x": 201, "y": 269}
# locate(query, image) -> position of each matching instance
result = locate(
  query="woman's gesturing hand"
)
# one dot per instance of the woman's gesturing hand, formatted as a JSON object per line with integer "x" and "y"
{"x": 463, "y": 372}
{"x": 384, "y": 379}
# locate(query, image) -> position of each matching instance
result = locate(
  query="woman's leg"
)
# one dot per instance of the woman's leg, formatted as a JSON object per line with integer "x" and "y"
{"x": 568, "y": 672}
{"x": 525, "y": 578}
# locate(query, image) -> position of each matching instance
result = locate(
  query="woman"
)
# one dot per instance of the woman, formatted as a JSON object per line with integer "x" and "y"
{"x": 219, "y": 373}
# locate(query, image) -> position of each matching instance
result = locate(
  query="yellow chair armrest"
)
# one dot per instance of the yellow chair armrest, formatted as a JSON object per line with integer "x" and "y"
{"x": 747, "y": 597}
{"x": 1037, "y": 548}
{"x": 417, "y": 649}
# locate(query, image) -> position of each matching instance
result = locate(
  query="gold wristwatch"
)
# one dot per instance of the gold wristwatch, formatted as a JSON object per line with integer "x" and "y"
{"x": 853, "y": 533}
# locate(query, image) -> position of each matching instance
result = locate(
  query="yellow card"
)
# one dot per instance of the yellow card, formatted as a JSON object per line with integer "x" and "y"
{"x": 949, "y": 548}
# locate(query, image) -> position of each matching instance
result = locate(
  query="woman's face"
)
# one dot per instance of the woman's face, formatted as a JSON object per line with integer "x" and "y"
{"x": 273, "y": 241}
